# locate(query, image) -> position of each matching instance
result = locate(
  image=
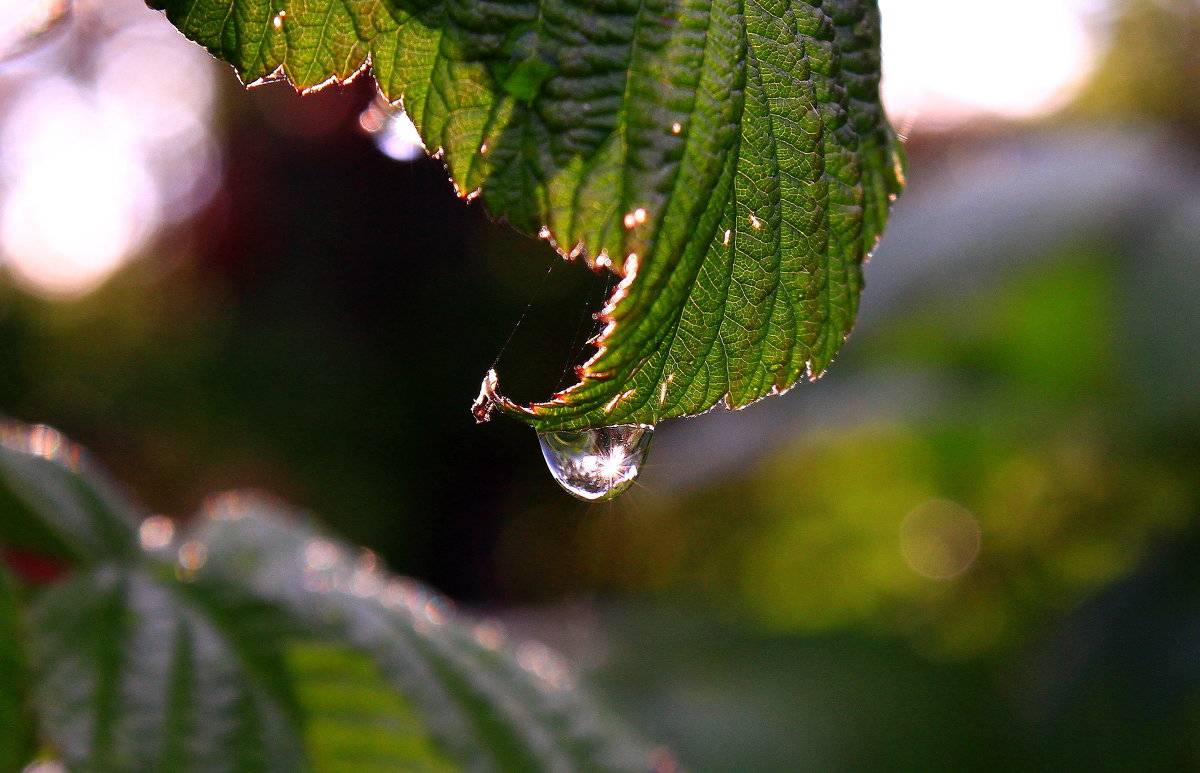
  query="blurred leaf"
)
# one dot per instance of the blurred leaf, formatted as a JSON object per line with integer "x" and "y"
{"x": 16, "y": 733}
{"x": 357, "y": 723}
{"x": 1116, "y": 685}
{"x": 200, "y": 656}
{"x": 735, "y": 699}
{"x": 485, "y": 710}
{"x": 53, "y": 501}
{"x": 731, "y": 161}
{"x": 134, "y": 675}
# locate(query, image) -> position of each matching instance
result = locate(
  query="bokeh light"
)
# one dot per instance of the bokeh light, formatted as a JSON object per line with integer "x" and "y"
{"x": 23, "y": 21}
{"x": 394, "y": 133}
{"x": 939, "y": 539}
{"x": 951, "y": 60}
{"x": 986, "y": 512}
{"x": 96, "y": 160}
{"x": 78, "y": 198}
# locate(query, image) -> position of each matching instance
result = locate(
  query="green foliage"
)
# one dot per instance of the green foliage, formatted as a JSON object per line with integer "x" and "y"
{"x": 357, "y": 724}
{"x": 16, "y": 738}
{"x": 135, "y": 673}
{"x": 730, "y": 160}
{"x": 252, "y": 642}
{"x": 52, "y": 503}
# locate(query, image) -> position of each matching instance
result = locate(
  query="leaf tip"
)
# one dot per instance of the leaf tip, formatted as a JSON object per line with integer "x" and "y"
{"x": 490, "y": 400}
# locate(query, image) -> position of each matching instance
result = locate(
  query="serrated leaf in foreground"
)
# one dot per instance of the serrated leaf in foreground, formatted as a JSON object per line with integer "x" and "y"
{"x": 490, "y": 707}
{"x": 214, "y": 649}
{"x": 728, "y": 158}
{"x": 133, "y": 673}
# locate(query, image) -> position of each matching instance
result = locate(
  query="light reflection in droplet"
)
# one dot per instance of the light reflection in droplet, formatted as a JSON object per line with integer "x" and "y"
{"x": 394, "y": 133}
{"x": 365, "y": 583}
{"x": 45, "y": 441}
{"x": 663, "y": 761}
{"x": 489, "y": 634}
{"x": 635, "y": 218}
{"x": 367, "y": 560}
{"x": 321, "y": 555}
{"x": 227, "y": 506}
{"x": 437, "y": 610}
{"x": 47, "y": 766}
{"x": 156, "y": 532}
{"x": 42, "y": 441}
{"x": 399, "y": 594}
{"x": 192, "y": 556}
{"x": 544, "y": 663}
{"x": 596, "y": 464}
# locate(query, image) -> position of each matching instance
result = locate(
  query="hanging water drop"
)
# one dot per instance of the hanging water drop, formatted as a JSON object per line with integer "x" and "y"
{"x": 596, "y": 464}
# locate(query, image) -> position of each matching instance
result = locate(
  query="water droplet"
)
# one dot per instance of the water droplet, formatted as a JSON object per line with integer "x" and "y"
{"x": 191, "y": 557}
{"x": 321, "y": 554}
{"x": 156, "y": 532}
{"x": 596, "y": 464}
{"x": 489, "y": 634}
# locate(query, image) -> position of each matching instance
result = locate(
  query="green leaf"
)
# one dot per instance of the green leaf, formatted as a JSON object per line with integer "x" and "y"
{"x": 135, "y": 674}
{"x": 253, "y": 642}
{"x": 488, "y": 706}
{"x": 730, "y": 159}
{"x": 16, "y": 732}
{"x": 54, "y": 501}
{"x": 357, "y": 723}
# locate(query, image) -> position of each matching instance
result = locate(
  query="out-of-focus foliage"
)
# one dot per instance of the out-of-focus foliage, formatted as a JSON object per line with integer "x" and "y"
{"x": 16, "y": 731}
{"x": 1026, "y": 356}
{"x": 1033, "y": 446}
{"x": 1151, "y": 70}
{"x": 254, "y": 642}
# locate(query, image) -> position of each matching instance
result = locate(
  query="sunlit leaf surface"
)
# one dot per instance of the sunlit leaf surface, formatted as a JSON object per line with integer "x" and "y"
{"x": 729, "y": 159}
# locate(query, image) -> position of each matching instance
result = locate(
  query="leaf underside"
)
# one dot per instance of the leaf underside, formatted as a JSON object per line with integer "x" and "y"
{"x": 730, "y": 159}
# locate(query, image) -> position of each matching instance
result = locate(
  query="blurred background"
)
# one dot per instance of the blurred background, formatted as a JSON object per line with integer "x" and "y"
{"x": 972, "y": 546}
